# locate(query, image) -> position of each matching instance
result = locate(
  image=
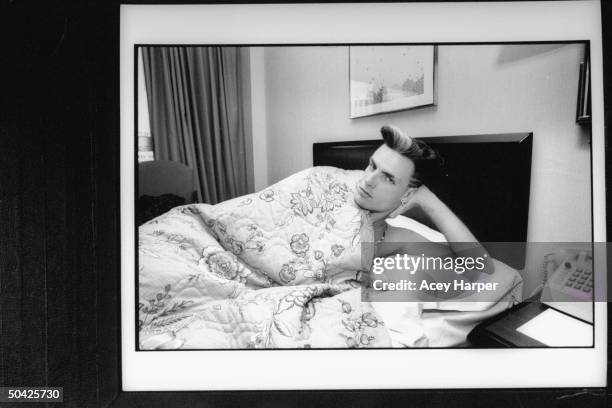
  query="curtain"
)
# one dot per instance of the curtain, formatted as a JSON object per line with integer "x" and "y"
{"x": 195, "y": 105}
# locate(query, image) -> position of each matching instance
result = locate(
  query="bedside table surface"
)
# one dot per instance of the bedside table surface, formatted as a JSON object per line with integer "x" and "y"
{"x": 500, "y": 331}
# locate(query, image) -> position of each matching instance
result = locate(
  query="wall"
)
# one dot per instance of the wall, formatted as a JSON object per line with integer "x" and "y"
{"x": 481, "y": 89}
{"x": 259, "y": 129}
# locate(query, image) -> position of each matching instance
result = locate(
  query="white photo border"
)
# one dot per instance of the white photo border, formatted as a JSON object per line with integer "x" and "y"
{"x": 344, "y": 24}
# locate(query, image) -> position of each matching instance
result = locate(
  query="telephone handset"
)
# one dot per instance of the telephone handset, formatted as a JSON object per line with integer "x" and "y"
{"x": 568, "y": 282}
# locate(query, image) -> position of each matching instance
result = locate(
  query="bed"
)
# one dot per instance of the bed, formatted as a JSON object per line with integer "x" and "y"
{"x": 284, "y": 268}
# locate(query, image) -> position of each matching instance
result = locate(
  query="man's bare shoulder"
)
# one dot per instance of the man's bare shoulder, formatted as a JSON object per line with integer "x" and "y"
{"x": 402, "y": 240}
{"x": 397, "y": 234}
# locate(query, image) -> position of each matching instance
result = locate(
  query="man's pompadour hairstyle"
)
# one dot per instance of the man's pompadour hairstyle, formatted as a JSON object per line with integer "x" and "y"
{"x": 427, "y": 161}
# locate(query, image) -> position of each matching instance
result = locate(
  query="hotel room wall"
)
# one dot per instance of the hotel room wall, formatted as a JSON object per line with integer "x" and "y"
{"x": 481, "y": 89}
{"x": 258, "y": 126}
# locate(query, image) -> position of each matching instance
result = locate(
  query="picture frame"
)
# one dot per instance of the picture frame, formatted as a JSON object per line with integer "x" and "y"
{"x": 583, "y": 103}
{"x": 377, "y": 87}
{"x": 138, "y": 366}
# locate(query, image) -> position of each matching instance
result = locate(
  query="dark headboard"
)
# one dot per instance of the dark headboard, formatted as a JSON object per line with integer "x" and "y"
{"x": 485, "y": 181}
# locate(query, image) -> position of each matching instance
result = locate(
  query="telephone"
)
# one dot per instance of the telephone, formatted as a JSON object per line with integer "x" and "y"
{"x": 568, "y": 282}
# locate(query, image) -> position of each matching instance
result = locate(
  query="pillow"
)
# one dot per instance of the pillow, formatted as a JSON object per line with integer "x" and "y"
{"x": 404, "y": 222}
{"x": 447, "y": 323}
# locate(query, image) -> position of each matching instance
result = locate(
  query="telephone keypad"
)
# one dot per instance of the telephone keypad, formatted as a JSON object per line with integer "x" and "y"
{"x": 580, "y": 279}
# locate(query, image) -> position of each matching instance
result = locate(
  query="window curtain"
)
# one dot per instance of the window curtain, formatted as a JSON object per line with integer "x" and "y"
{"x": 196, "y": 113}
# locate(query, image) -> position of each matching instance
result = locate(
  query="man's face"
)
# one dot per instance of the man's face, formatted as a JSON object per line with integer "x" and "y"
{"x": 385, "y": 181}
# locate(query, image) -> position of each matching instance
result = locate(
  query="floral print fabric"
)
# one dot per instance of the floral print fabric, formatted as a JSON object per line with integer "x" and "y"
{"x": 276, "y": 269}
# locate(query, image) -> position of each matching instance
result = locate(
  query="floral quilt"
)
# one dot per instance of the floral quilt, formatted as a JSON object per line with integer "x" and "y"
{"x": 278, "y": 268}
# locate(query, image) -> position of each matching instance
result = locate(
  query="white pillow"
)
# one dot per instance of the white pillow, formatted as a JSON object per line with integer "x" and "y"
{"x": 443, "y": 324}
{"x": 404, "y": 222}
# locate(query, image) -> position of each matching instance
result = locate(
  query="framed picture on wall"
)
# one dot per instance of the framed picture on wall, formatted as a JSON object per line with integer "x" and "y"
{"x": 583, "y": 106}
{"x": 391, "y": 78}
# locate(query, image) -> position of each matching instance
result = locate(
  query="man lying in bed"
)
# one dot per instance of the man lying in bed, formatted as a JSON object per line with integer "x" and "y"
{"x": 446, "y": 309}
{"x": 284, "y": 267}
{"x": 392, "y": 184}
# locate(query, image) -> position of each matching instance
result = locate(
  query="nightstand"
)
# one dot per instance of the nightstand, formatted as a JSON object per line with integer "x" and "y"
{"x": 500, "y": 331}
